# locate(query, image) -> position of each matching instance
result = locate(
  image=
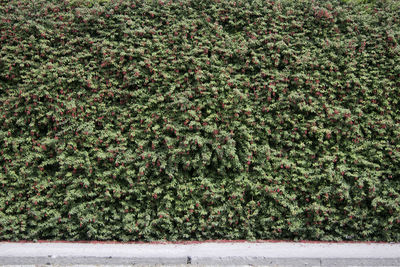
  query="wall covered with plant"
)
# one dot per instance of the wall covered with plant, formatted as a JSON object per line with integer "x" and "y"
{"x": 193, "y": 120}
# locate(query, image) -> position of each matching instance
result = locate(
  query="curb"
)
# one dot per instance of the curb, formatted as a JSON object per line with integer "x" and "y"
{"x": 208, "y": 253}
{"x": 54, "y": 260}
{"x": 200, "y": 261}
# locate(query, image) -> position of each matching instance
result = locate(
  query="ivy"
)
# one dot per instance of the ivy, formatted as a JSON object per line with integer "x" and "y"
{"x": 196, "y": 120}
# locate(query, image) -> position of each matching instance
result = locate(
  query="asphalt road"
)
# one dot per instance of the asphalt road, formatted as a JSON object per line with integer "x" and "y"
{"x": 203, "y": 254}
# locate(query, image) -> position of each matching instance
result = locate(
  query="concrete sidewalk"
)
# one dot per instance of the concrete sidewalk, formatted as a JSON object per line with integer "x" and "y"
{"x": 208, "y": 253}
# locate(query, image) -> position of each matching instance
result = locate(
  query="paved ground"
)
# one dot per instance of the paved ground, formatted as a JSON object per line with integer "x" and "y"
{"x": 203, "y": 254}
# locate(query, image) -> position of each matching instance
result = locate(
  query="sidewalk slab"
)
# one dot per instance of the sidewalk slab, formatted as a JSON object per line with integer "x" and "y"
{"x": 255, "y": 261}
{"x": 91, "y": 260}
{"x": 208, "y": 253}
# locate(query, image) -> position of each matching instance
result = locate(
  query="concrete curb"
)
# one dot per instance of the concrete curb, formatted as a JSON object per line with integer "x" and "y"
{"x": 244, "y": 253}
{"x": 91, "y": 261}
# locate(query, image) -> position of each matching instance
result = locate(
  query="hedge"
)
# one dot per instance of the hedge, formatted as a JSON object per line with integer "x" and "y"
{"x": 198, "y": 120}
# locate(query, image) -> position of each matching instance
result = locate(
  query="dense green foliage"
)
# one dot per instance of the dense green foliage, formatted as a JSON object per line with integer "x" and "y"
{"x": 178, "y": 120}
